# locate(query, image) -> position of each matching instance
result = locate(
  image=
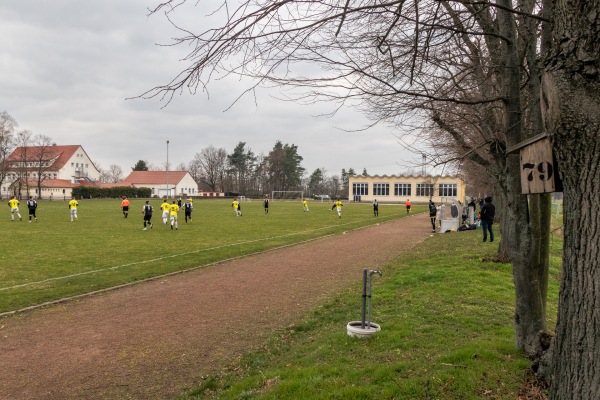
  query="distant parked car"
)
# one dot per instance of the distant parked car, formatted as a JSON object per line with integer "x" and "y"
{"x": 322, "y": 197}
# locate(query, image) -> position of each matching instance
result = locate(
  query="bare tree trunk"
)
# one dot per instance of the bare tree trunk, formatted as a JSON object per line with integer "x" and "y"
{"x": 571, "y": 94}
{"x": 529, "y": 307}
{"x": 540, "y": 214}
{"x": 576, "y": 140}
{"x": 540, "y": 205}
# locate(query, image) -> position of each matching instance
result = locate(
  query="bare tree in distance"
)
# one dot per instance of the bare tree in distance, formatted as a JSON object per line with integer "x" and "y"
{"x": 23, "y": 140}
{"x": 213, "y": 163}
{"x": 195, "y": 169}
{"x": 113, "y": 174}
{"x": 154, "y": 167}
{"x": 42, "y": 159}
{"x": 7, "y": 143}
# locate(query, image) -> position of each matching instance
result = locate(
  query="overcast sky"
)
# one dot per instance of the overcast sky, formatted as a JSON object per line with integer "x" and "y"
{"x": 67, "y": 68}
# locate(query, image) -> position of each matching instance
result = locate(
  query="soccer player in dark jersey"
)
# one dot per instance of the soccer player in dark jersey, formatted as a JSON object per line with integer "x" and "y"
{"x": 187, "y": 208}
{"x": 147, "y": 211}
{"x": 32, "y": 206}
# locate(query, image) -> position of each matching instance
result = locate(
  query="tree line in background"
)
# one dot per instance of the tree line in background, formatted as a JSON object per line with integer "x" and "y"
{"x": 90, "y": 192}
{"x": 243, "y": 172}
{"x": 214, "y": 169}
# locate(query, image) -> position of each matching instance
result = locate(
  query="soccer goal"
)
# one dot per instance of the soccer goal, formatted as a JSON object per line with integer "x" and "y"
{"x": 287, "y": 195}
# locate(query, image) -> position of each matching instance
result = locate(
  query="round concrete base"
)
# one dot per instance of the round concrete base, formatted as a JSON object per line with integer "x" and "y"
{"x": 354, "y": 329}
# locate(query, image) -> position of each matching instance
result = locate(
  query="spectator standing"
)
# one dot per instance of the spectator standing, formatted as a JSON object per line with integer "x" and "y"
{"x": 488, "y": 212}
{"x": 432, "y": 215}
{"x": 472, "y": 204}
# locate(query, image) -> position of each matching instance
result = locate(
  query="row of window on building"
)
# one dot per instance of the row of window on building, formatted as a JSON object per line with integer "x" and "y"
{"x": 405, "y": 189}
{"x": 183, "y": 190}
{"x": 13, "y": 177}
{"x": 31, "y": 164}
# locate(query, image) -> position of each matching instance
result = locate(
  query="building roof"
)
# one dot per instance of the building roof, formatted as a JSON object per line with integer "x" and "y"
{"x": 61, "y": 183}
{"x": 61, "y": 154}
{"x": 154, "y": 177}
{"x": 64, "y": 153}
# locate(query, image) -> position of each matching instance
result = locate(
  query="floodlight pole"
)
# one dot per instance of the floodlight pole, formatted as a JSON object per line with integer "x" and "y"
{"x": 167, "y": 169}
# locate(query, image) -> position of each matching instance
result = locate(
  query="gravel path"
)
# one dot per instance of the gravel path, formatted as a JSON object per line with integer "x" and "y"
{"x": 155, "y": 339}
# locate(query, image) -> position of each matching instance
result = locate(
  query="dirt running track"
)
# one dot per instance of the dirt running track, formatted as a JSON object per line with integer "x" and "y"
{"x": 155, "y": 339}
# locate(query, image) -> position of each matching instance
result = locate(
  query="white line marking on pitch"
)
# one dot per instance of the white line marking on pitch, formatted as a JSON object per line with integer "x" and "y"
{"x": 57, "y": 278}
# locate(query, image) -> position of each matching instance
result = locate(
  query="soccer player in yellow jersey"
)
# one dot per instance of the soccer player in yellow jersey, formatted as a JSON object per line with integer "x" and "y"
{"x": 305, "y": 204}
{"x": 73, "y": 207}
{"x": 14, "y": 208}
{"x": 236, "y": 207}
{"x": 166, "y": 210}
{"x": 338, "y": 206}
{"x": 174, "y": 209}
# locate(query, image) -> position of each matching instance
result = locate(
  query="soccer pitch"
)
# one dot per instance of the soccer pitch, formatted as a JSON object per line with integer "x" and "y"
{"x": 55, "y": 258}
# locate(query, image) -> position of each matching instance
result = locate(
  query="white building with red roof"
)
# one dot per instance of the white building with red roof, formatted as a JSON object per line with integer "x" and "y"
{"x": 163, "y": 183}
{"x": 48, "y": 171}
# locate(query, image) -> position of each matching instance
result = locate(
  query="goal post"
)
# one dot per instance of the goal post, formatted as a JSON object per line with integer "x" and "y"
{"x": 287, "y": 195}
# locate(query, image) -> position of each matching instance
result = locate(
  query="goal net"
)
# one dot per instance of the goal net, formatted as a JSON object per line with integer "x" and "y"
{"x": 287, "y": 195}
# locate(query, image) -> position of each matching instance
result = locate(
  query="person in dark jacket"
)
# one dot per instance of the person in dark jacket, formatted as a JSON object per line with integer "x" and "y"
{"x": 432, "y": 215}
{"x": 488, "y": 211}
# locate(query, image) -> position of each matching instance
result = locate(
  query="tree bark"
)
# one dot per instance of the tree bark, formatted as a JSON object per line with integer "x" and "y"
{"x": 571, "y": 94}
{"x": 540, "y": 205}
{"x": 529, "y": 304}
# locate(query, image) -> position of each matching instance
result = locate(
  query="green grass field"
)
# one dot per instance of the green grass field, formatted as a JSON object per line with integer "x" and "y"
{"x": 445, "y": 309}
{"x": 446, "y": 313}
{"x": 55, "y": 258}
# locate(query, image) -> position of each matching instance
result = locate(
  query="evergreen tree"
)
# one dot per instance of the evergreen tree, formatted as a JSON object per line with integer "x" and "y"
{"x": 141, "y": 165}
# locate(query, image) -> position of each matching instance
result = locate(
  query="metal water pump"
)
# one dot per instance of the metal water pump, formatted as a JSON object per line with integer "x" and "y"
{"x": 366, "y": 301}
